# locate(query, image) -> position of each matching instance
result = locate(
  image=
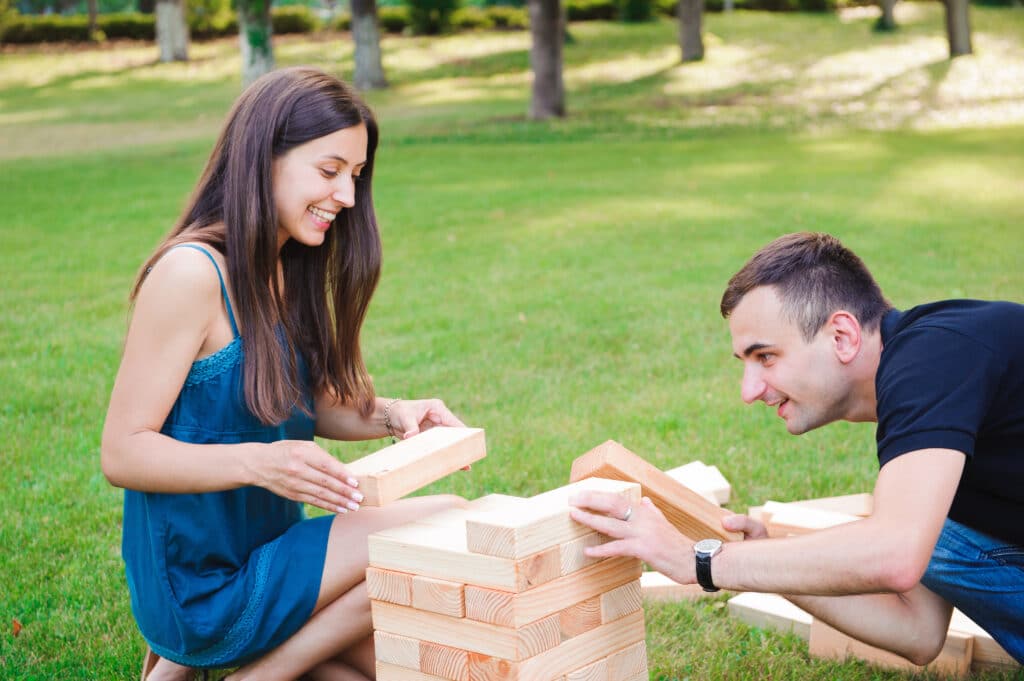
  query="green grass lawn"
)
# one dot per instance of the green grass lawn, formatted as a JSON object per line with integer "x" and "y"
{"x": 556, "y": 283}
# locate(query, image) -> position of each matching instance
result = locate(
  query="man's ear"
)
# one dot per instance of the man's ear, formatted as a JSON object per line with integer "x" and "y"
{"x": 846, "y": 335}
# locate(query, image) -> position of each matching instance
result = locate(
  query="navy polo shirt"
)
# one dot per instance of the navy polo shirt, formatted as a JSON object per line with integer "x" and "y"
{"x": 951, "y": 376}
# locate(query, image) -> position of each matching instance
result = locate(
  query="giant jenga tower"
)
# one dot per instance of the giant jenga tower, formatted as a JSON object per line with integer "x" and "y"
{"x": 501, "y": 591}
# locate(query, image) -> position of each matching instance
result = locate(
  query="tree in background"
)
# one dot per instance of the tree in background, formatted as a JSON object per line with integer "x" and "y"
{"x": 886, "y": 22}
{"x": 691, "y": 40}
{"x": 254, "y": 37}
{"x": 369, "y": 70}
{"x": 171, "y": 30}
{"x": 547, "y": 33}
{"x": 958, "y": 27}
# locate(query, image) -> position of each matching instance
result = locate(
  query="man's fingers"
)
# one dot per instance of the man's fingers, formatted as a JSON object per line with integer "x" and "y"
{"x": 601, "y": 523}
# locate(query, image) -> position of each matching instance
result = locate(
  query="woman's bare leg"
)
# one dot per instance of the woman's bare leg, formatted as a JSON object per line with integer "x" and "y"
{"x": 341, "y": 618}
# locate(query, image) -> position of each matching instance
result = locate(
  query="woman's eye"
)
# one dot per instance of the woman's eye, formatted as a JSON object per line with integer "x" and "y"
{"x": 329, "y": 174}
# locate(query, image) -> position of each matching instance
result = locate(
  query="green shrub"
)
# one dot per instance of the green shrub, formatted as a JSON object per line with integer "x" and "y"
{"x": 393, "y": 19}
{"x": 210, "y": 18}
{"x": 293, "y": 19}
{"x": 343, "y": 22}
{"x": 633, "y": 11}
{"x": 591, "y": 10}
{"x": 508, "y": 18}
{"x": 430, "y": 17}
{"x": 470, "y": 19}
{"x": 49, "y": 28}
{"x": 131, "y": 25}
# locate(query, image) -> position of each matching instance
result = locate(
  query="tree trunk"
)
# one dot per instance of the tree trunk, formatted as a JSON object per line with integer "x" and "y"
{"x": 93, "y": 12}
{"x": 547, "y": 32}
{"x": 887, "y": 22}
{"x": 171, "y": 30}
{"x": 958, "y": 28}
{"x": 369, "y": 71}
{"x": 690, "y": 40}
{"x": 254, "y": 36}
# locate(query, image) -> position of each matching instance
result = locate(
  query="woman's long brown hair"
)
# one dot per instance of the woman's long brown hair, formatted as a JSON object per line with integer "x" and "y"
{"x": 327, "y": 289}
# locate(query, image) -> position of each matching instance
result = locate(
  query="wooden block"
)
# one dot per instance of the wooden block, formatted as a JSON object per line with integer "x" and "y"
{"x": 655, "y": 586}
{"x": 516, "y": 610}
{"x": 829, "y": 643}
{"x": 444, "y": 661}
{"x": 628, "y": 662}
{"x": 583, "y": 616}
{"x": 771, "y": 611}
{"x": 642, "y": 676}
{"x": 987, "y": 653}
{"x": 571, "y": 553}
{"x": 393, "y": 672}
{"x": 757, "y": 513}
{"x": 441, "y": 552}
{"x": 595, "y": 671}
{"x": 621, "y": 601}
{"x": 850, "y": 504}
{"x": 571, "y": 655}
{"x": 705, "y": 480}
{"x": 690, "y": 513}
{"x": 403, "y": 651}
{"x": 389, "y": 585}
{"x": 542, "y": 523}
{"x": 406, "y": 466}
{"x": 792, "y": 519}
{"x": 467, "y": 634}
{"x": 438, "y": 595}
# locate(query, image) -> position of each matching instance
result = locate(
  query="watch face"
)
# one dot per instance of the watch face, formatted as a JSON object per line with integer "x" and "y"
{"x": 708, "y": 546}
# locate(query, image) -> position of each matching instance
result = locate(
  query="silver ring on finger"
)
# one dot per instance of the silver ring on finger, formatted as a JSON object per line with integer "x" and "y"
{"x": 628, "y": 514}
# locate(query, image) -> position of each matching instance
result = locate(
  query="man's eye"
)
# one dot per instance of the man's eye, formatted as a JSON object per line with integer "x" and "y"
{"x": 766, "y": 357}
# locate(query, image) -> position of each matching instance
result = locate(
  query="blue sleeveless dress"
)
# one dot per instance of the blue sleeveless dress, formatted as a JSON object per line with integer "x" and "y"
{"x": 221, "y": 578}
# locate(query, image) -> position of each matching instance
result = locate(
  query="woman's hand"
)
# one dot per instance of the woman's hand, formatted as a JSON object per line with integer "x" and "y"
{"x": 302, "y": 471}
{"x": 409, "y": 417}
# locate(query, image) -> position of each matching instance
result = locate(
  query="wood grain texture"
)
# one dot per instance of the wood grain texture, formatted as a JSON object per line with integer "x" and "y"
{"x": 693, "y": 515}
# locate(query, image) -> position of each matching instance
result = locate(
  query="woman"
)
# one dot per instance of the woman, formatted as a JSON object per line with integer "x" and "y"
{"x": 243, "y": 344}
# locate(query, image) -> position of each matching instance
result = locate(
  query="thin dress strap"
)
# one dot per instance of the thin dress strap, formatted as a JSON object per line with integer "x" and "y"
{"x": 223, "y": 288}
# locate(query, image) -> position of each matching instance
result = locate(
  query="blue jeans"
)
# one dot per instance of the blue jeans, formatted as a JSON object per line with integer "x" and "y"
{"x": 984, "y": 578}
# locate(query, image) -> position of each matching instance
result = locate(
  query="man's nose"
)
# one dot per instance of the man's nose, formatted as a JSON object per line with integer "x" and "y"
{"x": 753, "y": 385}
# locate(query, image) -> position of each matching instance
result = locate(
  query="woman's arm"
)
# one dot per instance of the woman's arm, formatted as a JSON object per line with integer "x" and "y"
{"x": 177, "y": 306}
{"x": 337, "y": 421}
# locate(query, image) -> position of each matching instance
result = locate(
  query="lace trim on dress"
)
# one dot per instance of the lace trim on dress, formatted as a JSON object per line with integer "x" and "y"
{"x": 216, "y": 364}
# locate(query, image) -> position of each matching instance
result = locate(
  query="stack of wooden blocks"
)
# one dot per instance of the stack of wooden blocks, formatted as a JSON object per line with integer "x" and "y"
{"x": 501, "y": 591}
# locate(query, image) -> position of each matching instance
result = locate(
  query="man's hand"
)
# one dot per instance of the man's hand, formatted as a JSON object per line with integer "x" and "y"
{"x": 645, "y": 533}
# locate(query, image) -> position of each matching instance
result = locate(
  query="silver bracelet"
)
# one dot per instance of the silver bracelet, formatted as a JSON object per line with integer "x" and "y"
{"x": 387, "y": 419}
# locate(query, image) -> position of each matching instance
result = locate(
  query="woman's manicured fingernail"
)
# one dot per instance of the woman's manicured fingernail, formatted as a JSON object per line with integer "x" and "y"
{"x": 356, "y": 496}
{"x": 352, "y": 506}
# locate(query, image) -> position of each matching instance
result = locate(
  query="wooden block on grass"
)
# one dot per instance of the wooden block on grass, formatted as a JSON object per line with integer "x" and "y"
{"x": 706, "y": 480}
{"x": 771, "y": 611}
{"x": 692, "y": 514}
{"x": 579, "y": 618}
{"x": 987, "y": 653}
{"x": 389, "y": 585}
{"x": 479, "y": 637}
{"x": 406, "y": 466}
{"x": 438, "y": 595}
{"x": 571, "y": 554}
{"x": 441, "y": 552}
{"x": 829, "y": 643}
{"x": 851, "y": 504}
{"x": 541, "y": 523}
{"x": 655, "y": 586}
{"x": 794, "y": 519}
{"x": 403, "y": 651}
{"x": 444, "y": 661}
{"x": 518, "y": 609}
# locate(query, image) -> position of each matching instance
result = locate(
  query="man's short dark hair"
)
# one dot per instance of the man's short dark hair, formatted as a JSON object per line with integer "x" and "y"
{"x": 814, "y": 276}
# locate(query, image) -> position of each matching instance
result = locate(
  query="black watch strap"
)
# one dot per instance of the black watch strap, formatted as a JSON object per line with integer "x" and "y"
{"x": 705, "y": 550}
{"x": 704, "y": 572}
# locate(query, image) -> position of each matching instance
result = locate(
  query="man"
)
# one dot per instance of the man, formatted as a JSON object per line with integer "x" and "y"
{"x": 945, "y": 383}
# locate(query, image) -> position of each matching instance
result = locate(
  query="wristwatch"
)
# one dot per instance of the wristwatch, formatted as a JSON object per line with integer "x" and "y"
{"x": 705, "y": 549}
